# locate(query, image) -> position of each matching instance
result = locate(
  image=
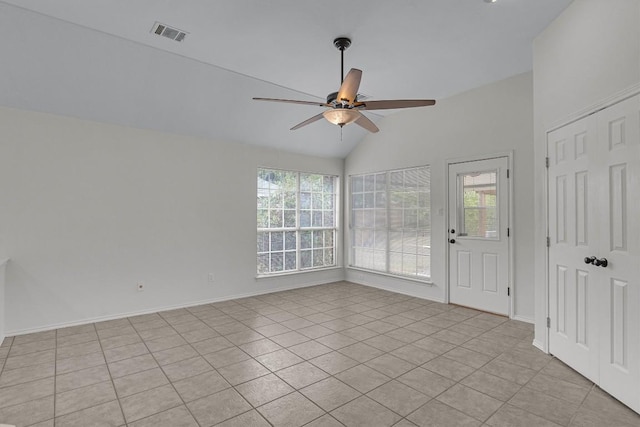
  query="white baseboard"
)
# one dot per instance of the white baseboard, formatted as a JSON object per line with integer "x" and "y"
{"x": 540, "y": 346}
{"x": 2, "y": 337}
{"x": 157, "y": 309}
{"x": 524, "y": 319}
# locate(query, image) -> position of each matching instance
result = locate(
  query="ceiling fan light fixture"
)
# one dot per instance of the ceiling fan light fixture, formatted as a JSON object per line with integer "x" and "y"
{"x": 341, "y": 116}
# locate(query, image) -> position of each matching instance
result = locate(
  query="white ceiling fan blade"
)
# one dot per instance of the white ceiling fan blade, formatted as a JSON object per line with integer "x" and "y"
{"x": 394, "y": 103}
{"x": 293, "y": 101}
{"x": 308, "y": 121}
{"x": 349, "y": 88}
{"x": 364, "y": 122}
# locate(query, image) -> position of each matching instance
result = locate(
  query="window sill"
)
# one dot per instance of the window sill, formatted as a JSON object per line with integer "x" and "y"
{"x": 293, "y": 273}
{"x": 425, "y": 282}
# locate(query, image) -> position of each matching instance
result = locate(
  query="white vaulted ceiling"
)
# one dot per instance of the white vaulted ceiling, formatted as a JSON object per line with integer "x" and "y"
{"x": 98, "y": 60}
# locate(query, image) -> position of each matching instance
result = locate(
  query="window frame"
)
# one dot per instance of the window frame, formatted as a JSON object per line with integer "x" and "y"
{"x": 299, "y": 229}
{"x": 388, "y": 228}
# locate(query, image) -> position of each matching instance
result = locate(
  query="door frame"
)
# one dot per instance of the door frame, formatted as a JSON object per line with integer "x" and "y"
{"x": 510, "y": 239}
{"x": 581, "y": 114}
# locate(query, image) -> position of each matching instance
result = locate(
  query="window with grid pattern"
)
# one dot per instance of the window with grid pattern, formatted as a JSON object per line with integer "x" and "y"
{"x": 296, "y": 221}
{"x": 390, "y": 222}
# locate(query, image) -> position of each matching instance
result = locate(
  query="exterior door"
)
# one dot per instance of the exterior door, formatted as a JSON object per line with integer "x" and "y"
{"x": 479, "y": 234}
{"x": 594, "y": 254}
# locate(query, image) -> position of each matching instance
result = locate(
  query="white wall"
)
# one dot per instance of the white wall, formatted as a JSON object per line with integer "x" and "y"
{"x": 90, "y": 209}
{"x": 484, "y": 121}
{"x": 589, "y": 53}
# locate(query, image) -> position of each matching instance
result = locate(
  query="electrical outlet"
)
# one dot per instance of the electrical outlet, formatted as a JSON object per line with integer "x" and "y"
{"x": 212, "y": 277}
{"x": 140, "y": 286}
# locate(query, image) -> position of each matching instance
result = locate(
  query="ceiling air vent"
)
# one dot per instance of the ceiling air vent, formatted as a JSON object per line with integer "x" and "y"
{"x": 168, "y": 32}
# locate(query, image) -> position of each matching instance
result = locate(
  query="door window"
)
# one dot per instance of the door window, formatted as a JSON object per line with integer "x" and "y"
{"x": 478, "y": 205}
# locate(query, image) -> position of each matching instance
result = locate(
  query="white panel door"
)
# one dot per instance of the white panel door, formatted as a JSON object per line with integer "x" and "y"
{"x": 594, "y": 257}
{"x": 619, "y": 143}
{"x": 573, "y": 227}
{"x": 478, "y": 235}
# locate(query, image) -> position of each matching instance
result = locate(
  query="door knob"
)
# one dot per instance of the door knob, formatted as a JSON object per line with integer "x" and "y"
{"x": 602, "y": 262}
{"x": 453, "y": 231}
{"x": 589, "y": 260}
{"x": 452, "y": 241}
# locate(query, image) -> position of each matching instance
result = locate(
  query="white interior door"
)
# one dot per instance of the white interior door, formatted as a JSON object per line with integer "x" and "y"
{"x": 594, "y": 256}
{"x": 479, "y": 234}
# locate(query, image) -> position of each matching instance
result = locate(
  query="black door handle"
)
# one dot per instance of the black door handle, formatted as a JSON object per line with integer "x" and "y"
{"x": 452, "y": 241}
{"x": 453, "y": 231}
{"x": 602, "y": 262}
{"x": 589, "y": 260}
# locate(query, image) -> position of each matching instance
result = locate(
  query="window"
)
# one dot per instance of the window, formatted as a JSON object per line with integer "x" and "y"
{"x": 390, "y": 222}
{"x": 296, "y": 221}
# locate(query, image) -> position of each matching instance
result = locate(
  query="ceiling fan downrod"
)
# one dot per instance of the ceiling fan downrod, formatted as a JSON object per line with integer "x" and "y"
{"x": 342, "y": 43}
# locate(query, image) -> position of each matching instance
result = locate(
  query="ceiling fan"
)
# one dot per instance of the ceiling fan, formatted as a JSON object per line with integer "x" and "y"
{"x": 343, "y": 106}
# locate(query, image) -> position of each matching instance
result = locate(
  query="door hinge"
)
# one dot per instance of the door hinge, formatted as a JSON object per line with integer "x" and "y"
{"x": 508, "y": 232}
{"x": 548, "y": 322}
{"x": 507, "y": 173}
{"x": 508, "y": 292}
{"x": 546, "y": 162}
{"x": 548, "y": 242}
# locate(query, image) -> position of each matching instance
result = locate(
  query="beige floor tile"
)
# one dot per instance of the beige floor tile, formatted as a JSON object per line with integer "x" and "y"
{"x": 361, "y": 352}
{"x": 34, "y": 337}
{"x": 74, "y": 339}
{"x": 175, "y": 417}
{"x": 384, "y": 343}
{"x": 325, "y": 421}
{"x": 125, "y": 352}
{"x": 491, "y": 385}
{"x": 426, "y": 382}
{"x": 315, "y": 331}
{"x": 509, "y": 372}
{"x": 38, "y": 358}
{"x": 398, "y": 397}
{"x": 119, "y": 341}
{"x": 21, "y": 393}
{"x": 165, "y": 343}
{"x": 186, "y": 368}
{"x": 390, "y": 365}
{"x": 434, "y": 345}
{"x": 510, "y": 416}
{"x": 471, "y": 402}
{"x": 336, "y": 341}
{"x": 330, "y": 393}
{"x": 28, "y": 413}
{"x": 83, "y": 378}
{"x": 243, "y": 371}
{"x": 288, "y": 339}
{"x": 359, "y": 333}
{"x": 142, "y": 381}
{"x": 448, "y": 368}
{"x": 74, "y": 330}
{"x": 557, "y": 369}
{"x": 104, "y": 415}
{"x": 131, "y": 366}
{"x": 436, "y": 414}
{"x": 279, "y": 360}
{"x": 413, "y": 354}
{"x": 272, "y": 329}
{"x": 248, "y": 419}
{"x": 149, "y": 402}
{"x": 24, "y": 375}
{"x": 292, "y": 410}
{"x": 218, "y": 407}
{"x": 310, "y": 349}
{"x": 600, "y": 402}
{"x": 176, "y": 354}
{"x": 31, "y": 347}
{"x": 264, "y": 389}
{"x": 534, "y": 359}
{"x": 297, "y": 323}
{"x": 199, "y": 386}
{"x": 85, "y": 397}
{"x": 225, "y": 357}
{"x": 362, "y": 378}
{"x": 365, "y": 412}
{"x": 333, "y": 362}
{"x": 244, "y": 337}
{"x": 260, "y": 347}
{"x": 556, "y": 410}
{"x": 558, "y": 388}
{"x": 380, "y": 326}
{"x": 302, "y": 375}
{"x": 468, "y": 357}
{"x": 212, "y": 345}
{"x": 407, "y": 336}
{"x": 197, "y": 335}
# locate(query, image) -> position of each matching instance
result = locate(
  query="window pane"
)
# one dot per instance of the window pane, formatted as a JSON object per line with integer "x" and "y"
{"x": 277, "y": 243}
{"x": 305, "y": 239}
{"x": 305, "y": 259}
{"x": 479, "y": 205}
{"x": 290, "y": 240}
{"x": 390, "y": 220}
{"x": 290, "y": 260}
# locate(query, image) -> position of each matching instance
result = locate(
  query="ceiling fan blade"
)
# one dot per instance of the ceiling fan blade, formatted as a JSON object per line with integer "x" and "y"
{"x": 349, "y": 88}
{"x": 394, "y": 103}
{"x": 292, "y": 101}
{"x": 366, "y": 123}
{"x": 308, "y": 121}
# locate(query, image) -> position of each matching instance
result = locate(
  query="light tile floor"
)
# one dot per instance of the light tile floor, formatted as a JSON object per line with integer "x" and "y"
{"x": 330, "y": 355}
